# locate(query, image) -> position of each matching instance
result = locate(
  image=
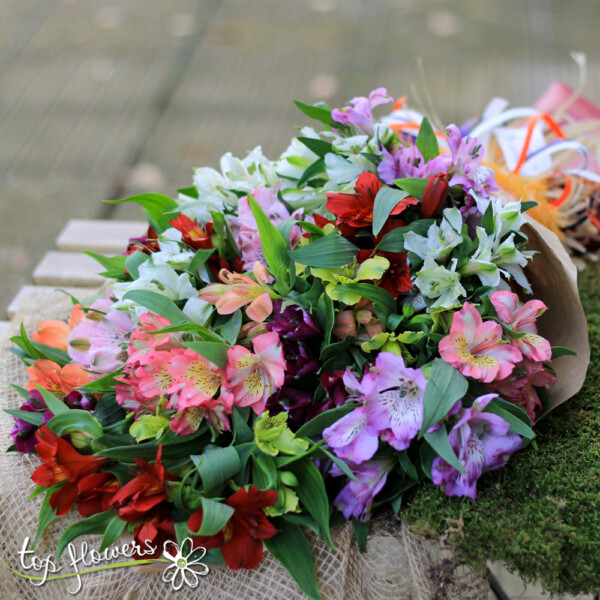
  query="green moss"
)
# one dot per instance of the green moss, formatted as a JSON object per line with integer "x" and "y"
{"x": 541, "y": 513}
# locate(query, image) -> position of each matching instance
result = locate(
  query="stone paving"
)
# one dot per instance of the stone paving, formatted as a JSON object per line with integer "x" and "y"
{"x": 104, "y": 99}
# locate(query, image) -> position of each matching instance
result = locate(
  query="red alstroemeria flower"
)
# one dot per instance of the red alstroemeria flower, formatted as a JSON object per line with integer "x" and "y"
{"x": 151, "y": 534}
{"x": 62, "y": 463}
{"x": 95, "y": 493}
{"x": 144, "y": 491}
{"x": 192, "y": 233}
{"x": 356, "y": 209}
{"x": 240, "y": 540}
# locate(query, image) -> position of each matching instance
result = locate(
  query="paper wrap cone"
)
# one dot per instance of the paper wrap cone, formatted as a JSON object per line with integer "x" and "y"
{"x": 553, "y": 278}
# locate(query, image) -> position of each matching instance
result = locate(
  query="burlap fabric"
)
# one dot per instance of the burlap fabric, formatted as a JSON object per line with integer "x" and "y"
{"x": 397, "y": 564}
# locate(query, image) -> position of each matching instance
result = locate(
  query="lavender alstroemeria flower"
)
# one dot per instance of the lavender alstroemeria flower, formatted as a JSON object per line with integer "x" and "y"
{"x": 293, "y": 323}
{"x": 360, "y": 112}
{"x": 482, "y": 443}
{"x": 409, "y": 162}
{"x": 396, "y": 402}
{"x": 467, "y": 170}
{"x": 356, "y": 497}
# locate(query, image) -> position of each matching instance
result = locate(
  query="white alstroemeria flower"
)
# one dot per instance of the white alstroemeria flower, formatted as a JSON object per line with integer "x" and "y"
{"x": 297, "y": 158}
{"x": 440, "y": 240}
{"x": 512, "y": 261}
{"x": 481, "y": 263}
{"x": 350, "y": 145}
{"x": 171, "y": 252}
{"x": 339, "y": 170}
{"x": 436, "y": 281}
{"x": 181, "y": 571}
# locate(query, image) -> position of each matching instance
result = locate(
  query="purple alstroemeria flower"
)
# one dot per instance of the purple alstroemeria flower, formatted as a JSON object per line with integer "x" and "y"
{"x": 482, "y": 443}
{"x": 293, "y": 323}
{"x": 356, "y": 497}
{"x": 467, "y": 170}
{"x": 23, "y": 433}
{"x": 360, "y": 112}
{"x": 396, "y": 401}
{"x": 409, "y": 162}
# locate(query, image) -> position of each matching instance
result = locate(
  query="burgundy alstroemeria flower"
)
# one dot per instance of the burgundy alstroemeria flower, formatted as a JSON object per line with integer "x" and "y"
{"x": 241, "y": 538}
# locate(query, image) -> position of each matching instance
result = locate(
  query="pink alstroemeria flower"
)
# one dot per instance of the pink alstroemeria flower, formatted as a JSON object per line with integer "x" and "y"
{"x": 199, "y": 379}
{"x": 522, "y": 319}
{"x": 144, "y": 340}
{"x": 252, "y": 378}
{"x": 240, "y": 290}
{"x": 476, "y": 348}
{"x": 153, "y": 377}
{"x": 188, "y": 420}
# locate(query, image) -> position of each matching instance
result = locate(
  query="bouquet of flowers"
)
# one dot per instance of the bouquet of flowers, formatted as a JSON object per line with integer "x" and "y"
{"x": 294, "y": 344}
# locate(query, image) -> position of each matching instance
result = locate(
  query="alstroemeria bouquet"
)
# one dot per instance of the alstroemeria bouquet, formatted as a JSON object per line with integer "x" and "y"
{"x": 294, "y": 343}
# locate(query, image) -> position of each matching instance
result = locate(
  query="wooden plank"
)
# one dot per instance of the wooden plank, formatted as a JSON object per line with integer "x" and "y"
{"x": 107, "y": 237}
{"x": 68, "y": 268}
{"x": 52, "y": 292}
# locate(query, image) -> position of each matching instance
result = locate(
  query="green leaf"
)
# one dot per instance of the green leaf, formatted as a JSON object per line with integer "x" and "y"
{"x": 52, "y": 402}
{"x": 514, "y": 415}
{"x": 562, "y": 351}
{"x": 34, "y": 418}
{"x": 112, "y": 532}
{"x": 438, "y": 440}
{"x": 382, "y": 300}
{"x": 319, "y": 147}
{"x": 527, "y": 204}
{"x": 291, "y": 549}
{"x": 329, "y": 252}
{"x": 426, "y": 141}
{"x": 274, "y": 246}
{"x": 95, "y": 524}
{"x": 323, "y": 420}
{"x": 319, "y": 113}
{"x": 311, "y": 172}
{"x": 114, "y": 265}
{"x": 75, "y": 420}
{"x": 313, "y": 495}
{"x": 133, "y": 261}
{"x": 445, "y": 386}
{"x": 393, "y": 241}
{"x": 415, "y": 187}
{"x": 200, "y": 258}
{"x": 47, "y": 514}
{"x": 213, "y": 351}
{"x": 488, "y": 220}
{"x": 214, "y": 517}
{"x": 157, "y": 303}
{"x": 192, "y": 192}
{"x": 216, "y": 465}
{"x": 385, "y": 202}
{"x": 243, "y": 433}
{"x": 361, "y": 532}
{"x": 155, "y": 208}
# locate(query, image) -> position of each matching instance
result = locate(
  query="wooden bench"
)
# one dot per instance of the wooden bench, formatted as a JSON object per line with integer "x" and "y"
{"x": 67, "y": 268}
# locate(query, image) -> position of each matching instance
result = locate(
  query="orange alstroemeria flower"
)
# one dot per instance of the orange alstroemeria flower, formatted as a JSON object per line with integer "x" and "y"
{"x": 55, "y": 332}
{"x": 54, "y": 378}
{"x": 239, "y": 290}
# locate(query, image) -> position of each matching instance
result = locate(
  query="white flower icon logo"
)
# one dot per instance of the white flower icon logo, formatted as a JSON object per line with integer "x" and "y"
{"x": 180, "y": 571}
